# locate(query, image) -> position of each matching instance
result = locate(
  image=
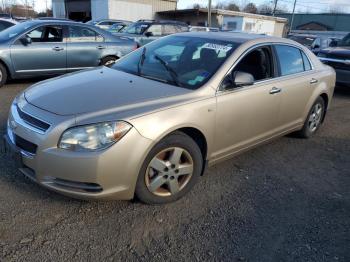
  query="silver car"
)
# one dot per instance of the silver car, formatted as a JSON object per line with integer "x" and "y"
{"x": 44, "y": 47}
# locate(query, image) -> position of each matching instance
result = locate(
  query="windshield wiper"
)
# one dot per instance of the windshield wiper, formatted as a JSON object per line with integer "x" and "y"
{"x": 141, "y": 61}
{"x": 171, "y": 71}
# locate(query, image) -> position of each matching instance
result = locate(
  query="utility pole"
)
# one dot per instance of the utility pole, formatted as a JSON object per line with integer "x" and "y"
{"x": 47, "y": 10}
{"x": 274, "y": 8}
{"x": 209, "y": 13}
{"x": 292, "y": 20}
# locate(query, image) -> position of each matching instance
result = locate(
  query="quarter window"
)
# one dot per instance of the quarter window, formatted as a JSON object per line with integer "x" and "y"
{"x": 83, "y": 34}
{"x": 290, "y": 60}
{"x": 307, "y": 65}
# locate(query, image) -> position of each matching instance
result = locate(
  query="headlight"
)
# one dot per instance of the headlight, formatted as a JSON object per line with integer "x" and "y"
{"x": 93, "y": 137}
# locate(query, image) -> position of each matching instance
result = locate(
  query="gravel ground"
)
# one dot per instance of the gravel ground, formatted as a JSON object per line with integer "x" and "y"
{"x": 285, "y": 201}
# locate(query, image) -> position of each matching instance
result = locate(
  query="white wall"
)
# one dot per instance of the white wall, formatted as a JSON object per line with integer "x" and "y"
{"x": 99, "y": 9}
{"x": 129, "y": 11}
{"x": 260, "y": 26}
{"x": 58, "y": 8}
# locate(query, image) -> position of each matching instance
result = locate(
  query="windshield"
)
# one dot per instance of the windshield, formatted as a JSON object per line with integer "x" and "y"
{"x": 15, "y": 30}
{"x": 136, "y": 28}
{"x": 304, "y": 40}
{"x": 183, "y": 61}
{"x": 345, "y": 41}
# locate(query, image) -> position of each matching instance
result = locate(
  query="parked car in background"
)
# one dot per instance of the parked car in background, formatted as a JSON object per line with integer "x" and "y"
{"x": 117, "y": 27}
{"x": 339, "y": 58}
{"x": 313, "y": 42}
{"x": 42, "y": 48}
{"x": 203, "y": 29}
{"x": 6, "y": 23}
{"x": 146, "y": 31}
{"x": 148, "y": 126}
{"x": 6, "y": 16}
{"x": 105, "y": 23}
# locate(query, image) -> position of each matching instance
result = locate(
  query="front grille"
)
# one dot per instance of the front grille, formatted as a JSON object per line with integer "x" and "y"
{"x": 34, "y": 122}
{"x": 25, "y": 145}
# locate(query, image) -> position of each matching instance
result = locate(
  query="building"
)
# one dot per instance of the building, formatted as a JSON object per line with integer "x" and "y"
{"x": 229, "y": 20}
{"x": 132, "y": 10}
{"x": 319, "y": 22}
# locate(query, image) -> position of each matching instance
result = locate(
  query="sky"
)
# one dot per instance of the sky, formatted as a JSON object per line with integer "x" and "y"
{"x": 301, "y": 6}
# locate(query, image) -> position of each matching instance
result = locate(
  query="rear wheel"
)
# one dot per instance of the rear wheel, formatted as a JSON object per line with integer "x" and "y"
{"x": 170, "y": 170}
{"x": 3, "y": 75}
{"x": 314, "y": 119}
{"x": 109, "y": 61}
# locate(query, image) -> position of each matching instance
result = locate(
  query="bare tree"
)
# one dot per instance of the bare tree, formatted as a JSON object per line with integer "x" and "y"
{"x": 232, "y": 6}
{"x": 250, "y": 8}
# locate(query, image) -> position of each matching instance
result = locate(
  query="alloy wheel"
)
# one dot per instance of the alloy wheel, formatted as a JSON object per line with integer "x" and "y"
{"x": 315, "y": 117}
{"x": 169, "y": 172}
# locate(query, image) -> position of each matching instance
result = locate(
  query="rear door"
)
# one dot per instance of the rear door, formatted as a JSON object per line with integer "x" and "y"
{"x": 85, "y": 48}
{"x": 45, "y": 55}
{"x": 297, "y": 81}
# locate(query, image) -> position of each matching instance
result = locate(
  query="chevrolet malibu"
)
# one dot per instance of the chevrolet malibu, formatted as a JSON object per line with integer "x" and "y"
{"x": 148, "y": 126}
{"x": 51, "y": 47}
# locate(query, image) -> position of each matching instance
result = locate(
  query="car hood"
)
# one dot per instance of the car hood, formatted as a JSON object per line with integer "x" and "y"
{"x": 337, "y": 52}
{"x": 101, "y": 89}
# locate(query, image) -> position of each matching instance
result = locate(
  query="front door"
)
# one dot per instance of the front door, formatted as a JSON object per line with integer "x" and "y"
{"x": 45, "y": 55}
{"x": 248, "y": 114}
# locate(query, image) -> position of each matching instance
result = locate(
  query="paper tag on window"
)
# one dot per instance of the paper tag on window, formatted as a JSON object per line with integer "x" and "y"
{"x": 217, "y": 47}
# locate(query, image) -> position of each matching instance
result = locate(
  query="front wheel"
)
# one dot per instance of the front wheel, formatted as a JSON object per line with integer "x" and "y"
{"x": 170, "y": 170}
{"x": 3, "y": 75}
{"x": 314, "y": 119}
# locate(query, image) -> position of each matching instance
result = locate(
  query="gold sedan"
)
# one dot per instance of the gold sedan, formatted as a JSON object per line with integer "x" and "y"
{"x": 148, "y": 126}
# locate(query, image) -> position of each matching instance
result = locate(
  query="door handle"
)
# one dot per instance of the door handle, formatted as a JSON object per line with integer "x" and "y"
{"x": 57, "y": 48}
{"x": 313, "y": 81}
{"x": 101, "y": 47}
{"x": 275, "y": 90}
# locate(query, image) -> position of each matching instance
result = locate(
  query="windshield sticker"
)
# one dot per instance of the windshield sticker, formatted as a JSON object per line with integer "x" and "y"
{"x": 198, "y": 79}
{"x": 217, "y": 47}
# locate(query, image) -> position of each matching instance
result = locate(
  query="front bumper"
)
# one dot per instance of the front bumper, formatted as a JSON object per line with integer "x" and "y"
{"x": 107, "y": 174}
{"x": 341, "y": 67}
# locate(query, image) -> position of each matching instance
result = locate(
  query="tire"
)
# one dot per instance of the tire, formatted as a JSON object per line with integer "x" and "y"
{"x": 162, "y": 178}
{"x": 3, "y": 75}
{"x": 313, "y": 120}
{"x": 108, "y": 61}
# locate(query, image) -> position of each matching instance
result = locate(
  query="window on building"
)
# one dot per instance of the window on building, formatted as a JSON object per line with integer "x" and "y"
{"x": 248, "y": 26}
{"x": 232, "y": 25}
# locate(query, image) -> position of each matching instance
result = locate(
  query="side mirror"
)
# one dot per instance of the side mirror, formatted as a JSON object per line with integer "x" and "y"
{"x": 148, "y": 34}
{"x": 242, "y": 79}
{"x": 26, "y": 40}
{"x": 237, "y": 79}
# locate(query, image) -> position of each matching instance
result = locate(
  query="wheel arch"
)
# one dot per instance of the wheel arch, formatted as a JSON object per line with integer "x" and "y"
{"x": 9, "y": 73}
{"x": 325, "y": 98}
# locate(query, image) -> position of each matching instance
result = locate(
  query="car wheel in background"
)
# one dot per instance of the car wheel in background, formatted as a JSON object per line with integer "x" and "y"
{"x": 170, "y": 170}
{"x": 3, "y": 75}
{"x": 314, "y": 119}
{"x": 108, "y": 61}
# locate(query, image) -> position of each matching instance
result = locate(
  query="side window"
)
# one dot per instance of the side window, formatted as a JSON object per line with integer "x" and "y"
{"x": 258, "y": 63}
{"x": 46, "y": 34}
{"x": 156, "y": 30}
{"x": 83, "y": 34}
{"x": 169, "y": 29}
{"x": 290, "y": 60}
{"x": 307, "y": 64}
